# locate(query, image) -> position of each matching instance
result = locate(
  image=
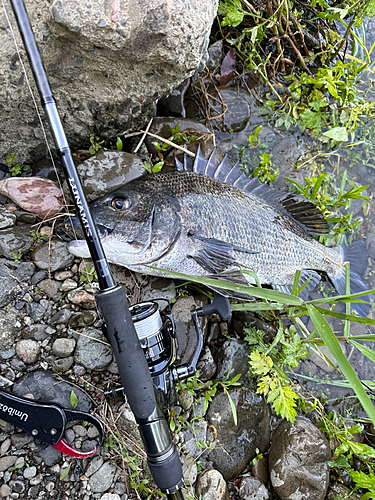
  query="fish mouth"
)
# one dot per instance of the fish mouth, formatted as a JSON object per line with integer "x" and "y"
{"x": 74, "y": 228}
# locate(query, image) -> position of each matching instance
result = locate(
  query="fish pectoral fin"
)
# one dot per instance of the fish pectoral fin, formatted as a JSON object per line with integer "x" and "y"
{"x": 214, "y": 256}
{"x": 308, "y": 280}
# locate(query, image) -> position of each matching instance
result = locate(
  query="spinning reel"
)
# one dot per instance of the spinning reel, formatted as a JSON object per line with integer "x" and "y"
{"x": 156, "y": 331}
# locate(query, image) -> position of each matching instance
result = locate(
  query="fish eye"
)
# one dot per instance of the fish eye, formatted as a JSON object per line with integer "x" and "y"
{"x": 121, "y": 203}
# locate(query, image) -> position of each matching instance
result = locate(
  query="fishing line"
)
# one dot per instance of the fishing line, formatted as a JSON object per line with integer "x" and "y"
{"x": 37, "y": 111}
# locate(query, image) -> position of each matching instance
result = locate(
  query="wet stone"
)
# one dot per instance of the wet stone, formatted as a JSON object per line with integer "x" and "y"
{"x": 235, "y": 445}
{"x": 91, "y": 352}
{"x": 233, "y": 358}
{"x": 36, "y": 332}
{"x": 212, "y": 486}
{"x": 28, "y": 351}
{"x": 15, "y": 241}
{"x": 52, "y": 256}
{"x": 43, "y": 386}
{"x": 297, "y": 461}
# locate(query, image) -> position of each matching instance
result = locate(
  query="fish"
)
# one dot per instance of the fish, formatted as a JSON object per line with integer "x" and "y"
{"x": 208, "y": 218}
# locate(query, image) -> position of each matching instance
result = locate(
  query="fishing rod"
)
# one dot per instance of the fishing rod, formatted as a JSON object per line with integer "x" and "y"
{"x": 162, "y": 455}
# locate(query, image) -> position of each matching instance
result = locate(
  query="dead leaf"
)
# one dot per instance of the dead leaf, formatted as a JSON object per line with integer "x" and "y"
{"x": 228, "y": 67}
{"x": 37, "y": 195}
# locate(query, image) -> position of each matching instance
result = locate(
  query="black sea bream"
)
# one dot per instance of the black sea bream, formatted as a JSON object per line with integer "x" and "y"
{"x": 209, "y": 219}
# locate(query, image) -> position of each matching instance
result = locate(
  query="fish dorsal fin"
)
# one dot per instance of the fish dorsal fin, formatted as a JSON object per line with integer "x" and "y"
{"x": 305, "y": 213}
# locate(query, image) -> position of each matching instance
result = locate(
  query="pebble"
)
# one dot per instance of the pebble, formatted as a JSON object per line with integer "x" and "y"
{"x": 28, "y": 351}
{"x": 62, "y": 365}
{"x": 6, "y": 462}
{"x": 63, "y": 275}
{"x": 253, "y": 489}
{"x": 7, "y": 218}
{"x": 29, "y": 472}
{"x": 91, "y": 352}
{"x": 52, "y": 256}
{"x": 63, "y": 347}
{"x": 82, "y": 298}
{"x": 5, "y": 491}
{"x": 61, "y": 317}
{"x": 102, "y": 479}
{"x": 68, "y": 285}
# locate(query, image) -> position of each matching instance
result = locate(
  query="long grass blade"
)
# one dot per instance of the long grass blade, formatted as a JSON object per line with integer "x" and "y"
{"x": 258, "y": 306}
{"x": 345, "y": 317}
{"x": 369, "y": 353}
{"x": 261, "y": 293}
{"x": 333, "y": 345}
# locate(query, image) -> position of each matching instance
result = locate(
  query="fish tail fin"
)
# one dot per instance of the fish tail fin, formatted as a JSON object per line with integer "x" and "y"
{"x": 356, "y": 255}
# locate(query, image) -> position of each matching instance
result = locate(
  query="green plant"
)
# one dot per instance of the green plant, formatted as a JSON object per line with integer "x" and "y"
{"x": 96, "y": 144}
{"x": 209, "y": 389}
{"x": 153, "y": 168}
{"x": 73, "y": 400}
{"x": 140, "y": 479}
{"x": 119, "y": 144}
{"x": 88, "y": 274}
{"x": 14, "y": 167}
{"x": 16, "y": 255}
{"x": 37, "y": 237}
{"x": 268, "y": 363}
{"x": 322, "y": 190}
{"x": 263, "y": 171}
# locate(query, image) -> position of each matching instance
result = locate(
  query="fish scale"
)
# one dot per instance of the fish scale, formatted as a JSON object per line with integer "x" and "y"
{"x": 200, "y": 225}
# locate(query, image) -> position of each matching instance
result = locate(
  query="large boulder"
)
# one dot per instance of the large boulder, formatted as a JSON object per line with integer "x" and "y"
{"x": 107, "y": 63}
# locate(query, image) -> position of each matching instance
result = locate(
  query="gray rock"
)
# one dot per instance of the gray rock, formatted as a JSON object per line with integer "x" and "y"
{"x": 297, "y": 461}
{"x": 82, "y": 318}
{"x": 102, "y": 479}
{"x": 82, "y": 298}
{"x": 7, "y": 218}
{"x": 52, "y": 256}
{"x": 49, "y": 287}
{"x": 107, "y": 171}
{"x": 8, "y": 330}
{"x": 62, "y": 365}
{"x": 215, "y": 56}
{"x": 94, "y": 465}
{"x": 196, "y": 431}
{"x": 206, "y": 365}
{"x": 11, "y": 274}
{"x": 212, "y": 486}
{"x": 233, "y": 358}
{"x": 236, "y": 445}
{"x": 6, "y": 462}
{"x": 253, "y": 489}
{"x": 50, "y": 456}
{"x": 36, "y": 332}
{"x": 63, "y": 347}
{"x": 38, "y": 277}
{"x": 127, "y": 420}
{"x": 43, "y": 386}
{"x": 40, "y": 311}
{"x": 107, "y": 66}
{"x": 92, "y": 351}
{"x": 20, "y": 439}
{"x": 237, "y": 112}
{"x": 15, "y": 241}
{"x": 61, "y": 317}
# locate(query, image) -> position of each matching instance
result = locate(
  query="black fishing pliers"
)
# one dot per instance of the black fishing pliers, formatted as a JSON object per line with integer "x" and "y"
{"x": 46, "y": 421}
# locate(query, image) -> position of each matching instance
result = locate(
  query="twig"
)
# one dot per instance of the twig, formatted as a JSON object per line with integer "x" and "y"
{"x": 170, "y": 143}
{"x": 143, "y": 137}
{"x": 299, "y": 55}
